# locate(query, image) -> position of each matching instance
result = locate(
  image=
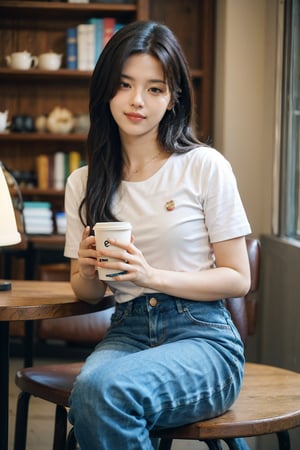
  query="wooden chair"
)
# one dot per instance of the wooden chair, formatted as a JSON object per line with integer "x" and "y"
{"x": 54, "y": 272}
{"x": 267, "y": 403}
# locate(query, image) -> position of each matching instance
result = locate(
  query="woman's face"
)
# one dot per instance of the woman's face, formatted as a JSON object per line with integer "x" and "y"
{"x": 142, "y": 97}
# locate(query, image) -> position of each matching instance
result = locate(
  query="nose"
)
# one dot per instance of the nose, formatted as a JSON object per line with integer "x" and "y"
{"x": 137, "y": 100}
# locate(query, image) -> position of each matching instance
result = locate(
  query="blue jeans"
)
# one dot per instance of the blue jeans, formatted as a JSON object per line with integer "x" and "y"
{"x": 164, "y": 362}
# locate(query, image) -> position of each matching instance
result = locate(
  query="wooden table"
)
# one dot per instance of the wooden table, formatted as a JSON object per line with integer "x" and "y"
{"x": 30, "y": 301}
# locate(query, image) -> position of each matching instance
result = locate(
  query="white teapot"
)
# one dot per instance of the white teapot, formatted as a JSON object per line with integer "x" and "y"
{"x": 49, "y": 61}
{"x": 21, "y": 60}
{"x": 60, "y": 120}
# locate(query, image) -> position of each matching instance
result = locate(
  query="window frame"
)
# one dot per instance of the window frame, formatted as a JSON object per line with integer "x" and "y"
{"x": 286, "y": 219}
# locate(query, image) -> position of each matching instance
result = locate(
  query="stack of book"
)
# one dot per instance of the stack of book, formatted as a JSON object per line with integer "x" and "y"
{"x": 85, "y": 42}
{"x": 38, "y": 218}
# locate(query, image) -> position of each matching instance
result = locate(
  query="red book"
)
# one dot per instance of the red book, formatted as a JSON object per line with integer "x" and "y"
{"x": 109, "y": 24}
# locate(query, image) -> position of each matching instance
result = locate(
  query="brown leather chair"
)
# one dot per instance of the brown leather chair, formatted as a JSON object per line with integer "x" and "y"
{"x": 267, "y": 402}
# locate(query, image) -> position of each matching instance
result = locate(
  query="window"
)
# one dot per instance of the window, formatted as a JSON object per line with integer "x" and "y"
{"x": 289, "y": 155}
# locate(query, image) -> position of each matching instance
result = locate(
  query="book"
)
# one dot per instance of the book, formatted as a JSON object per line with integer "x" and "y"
{"x": 37, "y": 213}
{"x": 71, "y": 48}
{"x": 39, "y": 229}
{"x": 118, "y": 27}
{"x": 59, "y": 171}
{"x": 35, "y": 204}
{"x": 74, "y": 161}
{"x": 109, "y": 24}
{"x": 98, "y": 36}
{"x": 67, "y": 166}
{"x": 42, "y": 170}
{"x": 50, "y": 170}
{"x": 86, "y": 46}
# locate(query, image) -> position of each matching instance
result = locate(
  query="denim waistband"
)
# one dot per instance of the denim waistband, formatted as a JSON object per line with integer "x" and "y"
{"x": 163, "y": 302}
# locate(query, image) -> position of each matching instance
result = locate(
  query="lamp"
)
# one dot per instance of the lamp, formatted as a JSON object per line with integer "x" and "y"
{"x": 9, "y": 234}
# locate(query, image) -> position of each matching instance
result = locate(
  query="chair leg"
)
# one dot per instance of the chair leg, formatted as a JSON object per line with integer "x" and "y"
{"x": 237, "y": 444}
{"x": 284, "y": 442}
{"x": 165, "y": 444}
{"x": 21, "y": 421}
{"x": 214, "y": 444}
{"x": 71, "y": 440}
{"x": 60, "y": 428}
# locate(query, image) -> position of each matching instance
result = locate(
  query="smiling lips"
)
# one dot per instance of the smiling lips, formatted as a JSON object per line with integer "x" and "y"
{"x": 134, "y": 117}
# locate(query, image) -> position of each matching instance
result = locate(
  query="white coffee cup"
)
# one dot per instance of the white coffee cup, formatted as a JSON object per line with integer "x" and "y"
{"x": 49, "y": 61}
{"x": 21, "y": 60}
{"x": 104, "y": 231}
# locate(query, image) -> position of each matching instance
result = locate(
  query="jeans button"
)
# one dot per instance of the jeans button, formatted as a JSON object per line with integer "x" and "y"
{"x": 153, "y": 301}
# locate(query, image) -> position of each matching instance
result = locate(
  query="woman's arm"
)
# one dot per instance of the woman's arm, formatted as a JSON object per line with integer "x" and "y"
{"x": 230, "y": 278}
{"x": 83, "y": 274}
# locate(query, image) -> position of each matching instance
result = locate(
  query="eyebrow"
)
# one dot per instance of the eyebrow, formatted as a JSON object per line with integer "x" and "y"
{"x": 154, "y": 80}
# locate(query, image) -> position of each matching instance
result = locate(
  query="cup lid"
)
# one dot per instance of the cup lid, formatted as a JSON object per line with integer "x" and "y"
{"x": 112, "y": 226}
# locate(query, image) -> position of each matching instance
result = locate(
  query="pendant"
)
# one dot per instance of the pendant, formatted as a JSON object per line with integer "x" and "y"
{"x": 170, "y": 205}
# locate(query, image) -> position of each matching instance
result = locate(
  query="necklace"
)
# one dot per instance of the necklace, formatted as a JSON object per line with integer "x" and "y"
{"x": 153, "y": 158}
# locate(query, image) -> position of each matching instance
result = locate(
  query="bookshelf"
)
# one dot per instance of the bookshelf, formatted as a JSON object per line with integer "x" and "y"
{"x": 40, "y": 26}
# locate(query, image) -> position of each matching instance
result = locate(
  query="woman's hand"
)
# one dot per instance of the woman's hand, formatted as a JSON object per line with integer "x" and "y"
{"x": 87, "y": 255}
{"x": 132, "y": 263}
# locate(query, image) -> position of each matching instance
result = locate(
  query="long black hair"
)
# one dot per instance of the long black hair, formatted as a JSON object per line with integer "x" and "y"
{"x": 105, "y": 159}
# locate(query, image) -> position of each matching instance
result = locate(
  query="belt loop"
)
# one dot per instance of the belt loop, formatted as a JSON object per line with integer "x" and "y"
{"x": 179, "y": 305}
{"x": 129, "y": 307}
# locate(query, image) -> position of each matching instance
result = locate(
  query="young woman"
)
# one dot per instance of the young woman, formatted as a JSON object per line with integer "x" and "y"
{"x": 172, "y": 354}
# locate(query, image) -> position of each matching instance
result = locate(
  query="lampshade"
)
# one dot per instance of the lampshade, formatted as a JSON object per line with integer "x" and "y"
{"x": 9, "y": 234}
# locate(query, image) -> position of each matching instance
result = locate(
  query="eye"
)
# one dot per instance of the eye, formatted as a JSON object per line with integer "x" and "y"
{"x": 124, "y": 85}
{"x": 155, "y": 90}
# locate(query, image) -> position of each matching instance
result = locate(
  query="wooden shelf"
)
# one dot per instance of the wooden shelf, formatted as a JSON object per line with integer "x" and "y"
{"x": 44, "y": 75}
{"x": 82, "y": 10}
{"x": 43, "y": 137}
{"x": 42, "y": 192}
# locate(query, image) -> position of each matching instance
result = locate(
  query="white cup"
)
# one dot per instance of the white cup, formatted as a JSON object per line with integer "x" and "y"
{"x": 49, "y": 61}
{"x": 3, "y": 121}
{"x": 21, "y": 60}
{"x": 104, "y": 231}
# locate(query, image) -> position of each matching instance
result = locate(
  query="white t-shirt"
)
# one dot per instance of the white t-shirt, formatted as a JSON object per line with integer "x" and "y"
{"x": 189, "y": 203}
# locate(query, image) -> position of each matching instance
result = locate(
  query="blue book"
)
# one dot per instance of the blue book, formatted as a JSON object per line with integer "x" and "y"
{"x": 33, "y": 204}
{"x": 118, "y": 27}
{"x": 71, "y": 48}
{"x": 98, "y": 24}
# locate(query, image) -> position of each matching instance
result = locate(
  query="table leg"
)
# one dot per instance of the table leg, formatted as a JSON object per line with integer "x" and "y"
{"x": 4, "y": 383}
{"x": 28, "y": 343}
